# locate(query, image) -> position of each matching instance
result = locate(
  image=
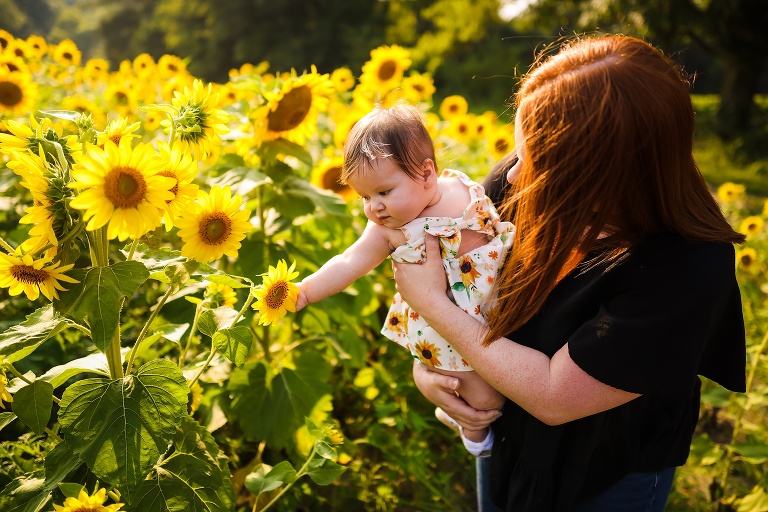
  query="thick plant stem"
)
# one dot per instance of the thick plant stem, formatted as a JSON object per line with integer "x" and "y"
{"x": 114, "y": 359}
{"x": 737, "y": 424}
{"x": 144, "y": 329}
{"x": 299, "y": 474}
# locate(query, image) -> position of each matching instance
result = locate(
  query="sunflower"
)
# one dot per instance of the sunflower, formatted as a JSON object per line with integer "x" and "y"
{"x": 20, "y": 273}
{"x": 428, "y": 353}
{"x": 66, "y": 53}
{"x": 418, "y": 87}
{"x": 344, "y": 120}
{"x": 730, "y": 192}
{"x": 37, "y": 46}
{"x": 18, "y": 92}
{"x": 121, "y": 97}
{"x": 23, "y": 138}
{"x": 481, "y": 126}
{"x": 342, "y": 79}
{"x": 5, "y": 395}
{"x": 6, "y": 38}
{"x": 459, "y": 127}
{"x": 468, "y": 271}
{"x": 170, "y": 66}
{"x": 453, "y": 106}
{"x": 152, "y": 121}
{"x": 213, "y": 226}
{"x": 221, "y": 295}
{"x": 195, "y": 396}
{"x": 199, "y": 122}
{"x": 277, "y": 294}
{"x": 96, "y": 70}
{"x": 395, "y": 322}
{"x": 118, "y": 130}
{"x": 144, "y": 65}
{"x": 88, "y": 503}
{"x": 326, "y": 176}
{"x": 183, "y": 168}
{"x": 501, "y": 142}
{"x": 746, "y": 258}
{"x": 385, "y": 69}
{"x": 291, "y": 112}
{"x": 121, "y": 186}
{"x": 752, "y": 225}
{"x": 13, "y": 62}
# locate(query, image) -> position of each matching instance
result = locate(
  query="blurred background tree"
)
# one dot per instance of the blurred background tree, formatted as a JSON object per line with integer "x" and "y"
{"x": 472, "y": 47}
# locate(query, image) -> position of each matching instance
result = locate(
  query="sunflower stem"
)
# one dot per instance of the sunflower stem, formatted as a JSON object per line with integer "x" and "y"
{"x": 6, "y": 246}
{"x": 192, "y": 331}
{"x": 144, "y": 329}
{"x": 51, "y": 433}
{"x": 300, "y": 473}
{"x": 737, "y": 424}
{"x": 133, "y": 248}
{"x": 114, "y": 359}
{"x": 172, "y": 137}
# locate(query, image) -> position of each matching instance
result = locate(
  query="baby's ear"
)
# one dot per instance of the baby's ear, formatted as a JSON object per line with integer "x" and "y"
{"x": 428, "y": 170}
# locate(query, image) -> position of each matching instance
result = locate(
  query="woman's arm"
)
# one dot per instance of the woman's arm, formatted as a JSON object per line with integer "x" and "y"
{"x": 555, "y": 390}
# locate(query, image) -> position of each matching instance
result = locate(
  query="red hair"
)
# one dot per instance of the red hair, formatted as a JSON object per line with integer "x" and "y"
{"x": 608, "y": 140}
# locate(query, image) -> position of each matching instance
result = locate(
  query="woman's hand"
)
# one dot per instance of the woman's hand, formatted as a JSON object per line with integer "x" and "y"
{"x": 422, "y": 285}
{"x": 441, "y": 390}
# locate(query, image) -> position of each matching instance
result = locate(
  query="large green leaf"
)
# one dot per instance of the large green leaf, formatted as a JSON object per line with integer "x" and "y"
{"x": 324, "y": 471}
{"x": 194, "y": 478}
{"x": 235, "y": 343}
{"x": 22, "y": 339}
{"x": 212, "y": 320}
{"x": 259, "y": 483}
{"x": 272, "y": 409}
{"x": 298, "y": 197}
{"x": 6, "y": 418}
{"x": 97, "y": 297}
{"x": 120, "y": 427}
{"x": 93, "y": 363}
{"x": 32, "y": 404}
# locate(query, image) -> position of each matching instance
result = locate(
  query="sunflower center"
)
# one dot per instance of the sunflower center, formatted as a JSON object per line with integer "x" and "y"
{"x": 291, "y": 110}
{"x": 175, "y": 188}
{"x": 501, "y": 146}
{"x": 28, "y": 275}
{"x": 172, "y": 67}
{"x": 10, "y": 94}
{"x": 125, "y": 187}
{"x": 387, "y": 70}
{"x": 215, "y": 228}
{"x": 121, "y": 98}
{"x": 426, "y": 353}
{"x": 116, "y": 139}
{"x": 453, "y": 108}
{"x": 331, "y": 179}
{"x": 11, "y": 66}
{"x": 746, "y": 260}
{"x": 67, "y": 55}
{"x": 466, "y": 267}
{"x": 276, "y": 295}
{"x": 394, "y": 321}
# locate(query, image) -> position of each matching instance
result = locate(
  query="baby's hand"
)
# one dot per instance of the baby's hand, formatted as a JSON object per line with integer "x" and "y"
{"x": 301, "y": 300}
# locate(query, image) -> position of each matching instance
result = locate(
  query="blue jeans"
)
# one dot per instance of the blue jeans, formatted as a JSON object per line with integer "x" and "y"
{"x": 636, "y": 492}
{"x": 484, "y": 503}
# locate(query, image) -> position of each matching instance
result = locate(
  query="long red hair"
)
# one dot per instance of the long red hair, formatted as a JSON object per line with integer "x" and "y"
{"x": 608, "y": 139}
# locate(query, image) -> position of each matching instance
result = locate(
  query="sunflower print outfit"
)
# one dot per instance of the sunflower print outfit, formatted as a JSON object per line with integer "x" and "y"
{"x": 471, "y": 276}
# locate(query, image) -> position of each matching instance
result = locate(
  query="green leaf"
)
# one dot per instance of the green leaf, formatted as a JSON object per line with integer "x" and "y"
{"x": 325, "y": 450}
{"x": 705, "y": 450}
{"x": 67, "y": 115}
{"x": 234, "y": 343}
{"x": 164, "y": 108}
{"x": 258, "y": 483}
{"x": 120, "y": 427}
{"x": 752, "y": 453}
{"x": 93, "y": 363}
{"x": 32, "y": 404}
{"x": 97, "y": 297}
{"x": 458, "y": 286}
{"x": 273, "y": 413}
{"x": 716, "y": 396}
{"x": 71, "y": 490}
{"x": 22, "y": 339}
{"x": 755, "y": 501}
{"x": 298, "y": 197}
{"x": 271, "y": 149}
{"x": 25, "y": 494}
{"x": 6, "y": 418}
{"x": 179, "y": 273}
{"x": 195, "y": 477}
{"x": 242, "y": 180}
{"x": 155, "y": 259}
{"x": 213, "y": 320}
{"x": 60, "y": 462}
{"x": 231, "y": 281}
{"x": 324, "y": 471}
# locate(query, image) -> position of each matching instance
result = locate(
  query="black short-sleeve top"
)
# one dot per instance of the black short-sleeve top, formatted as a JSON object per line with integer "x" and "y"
{"x": 667, "y": 312}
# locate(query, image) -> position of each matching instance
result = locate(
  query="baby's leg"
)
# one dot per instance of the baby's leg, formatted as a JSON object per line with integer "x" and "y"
{"x": 478, "y": 394}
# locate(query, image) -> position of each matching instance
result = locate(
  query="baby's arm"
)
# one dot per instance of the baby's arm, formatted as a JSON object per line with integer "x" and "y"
{"x": 342, "y": 270}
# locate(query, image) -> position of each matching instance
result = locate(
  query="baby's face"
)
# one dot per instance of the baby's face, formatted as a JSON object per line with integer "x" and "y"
{"x": 390, "y": 197}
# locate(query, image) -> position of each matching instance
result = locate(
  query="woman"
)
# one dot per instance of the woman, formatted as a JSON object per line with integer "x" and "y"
{"x": 618, "y": 292}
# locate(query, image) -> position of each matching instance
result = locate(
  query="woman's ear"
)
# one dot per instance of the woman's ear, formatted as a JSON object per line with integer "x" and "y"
{"x": 429, "y": 172}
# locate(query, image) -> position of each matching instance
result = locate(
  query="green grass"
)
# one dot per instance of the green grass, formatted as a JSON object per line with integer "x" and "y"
{"x": 744, "y": 160}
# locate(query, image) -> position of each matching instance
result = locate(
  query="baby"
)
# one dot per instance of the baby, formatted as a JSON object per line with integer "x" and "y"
{"x": 389, "y": 160}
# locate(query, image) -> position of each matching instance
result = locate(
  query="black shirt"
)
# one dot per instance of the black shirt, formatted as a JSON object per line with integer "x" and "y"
{"x": 668, "y": 312}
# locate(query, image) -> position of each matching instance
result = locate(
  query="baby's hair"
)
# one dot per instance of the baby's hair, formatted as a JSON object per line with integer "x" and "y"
{"x": 397, "y": 132}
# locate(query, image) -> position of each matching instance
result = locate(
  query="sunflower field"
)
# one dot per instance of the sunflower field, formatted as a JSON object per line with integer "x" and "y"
{"x": 151, "y": 232}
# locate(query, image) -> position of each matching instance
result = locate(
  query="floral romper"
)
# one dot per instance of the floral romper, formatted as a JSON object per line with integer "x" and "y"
{"x": 471, "y": 276}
